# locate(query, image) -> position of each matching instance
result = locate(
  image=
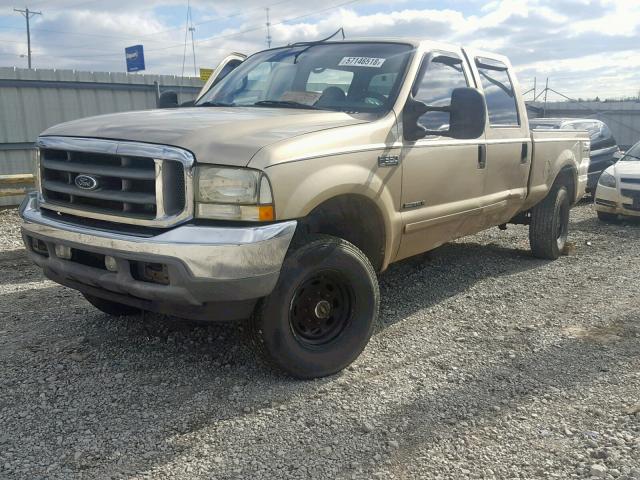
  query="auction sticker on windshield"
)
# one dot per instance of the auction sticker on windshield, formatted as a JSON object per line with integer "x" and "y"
{"x": 361, "y": 62}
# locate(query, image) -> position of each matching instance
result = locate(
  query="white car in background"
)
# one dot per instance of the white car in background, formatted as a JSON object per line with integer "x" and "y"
{"x": 618, "y": 191}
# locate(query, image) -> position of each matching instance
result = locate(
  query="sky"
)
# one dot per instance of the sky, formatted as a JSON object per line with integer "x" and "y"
{"x": 586, "y": 48}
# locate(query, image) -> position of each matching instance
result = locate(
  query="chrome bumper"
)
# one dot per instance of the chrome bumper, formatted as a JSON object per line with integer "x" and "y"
{"x": 206, "y": 264}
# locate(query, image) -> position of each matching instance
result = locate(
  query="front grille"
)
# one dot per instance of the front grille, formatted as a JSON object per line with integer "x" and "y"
{"x": 634, "y": 195}
{"x": 123, "y": 187}
{"x": 630, "y": 180}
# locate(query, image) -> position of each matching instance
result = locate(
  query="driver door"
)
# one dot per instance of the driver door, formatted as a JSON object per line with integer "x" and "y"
{"x": 442, "y": 178}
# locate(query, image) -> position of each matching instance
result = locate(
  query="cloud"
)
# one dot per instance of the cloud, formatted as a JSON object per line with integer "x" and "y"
{"x": 586, "y": 47}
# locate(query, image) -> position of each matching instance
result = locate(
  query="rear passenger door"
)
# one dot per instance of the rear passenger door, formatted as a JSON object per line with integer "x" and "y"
{"x": 507, "y": 139}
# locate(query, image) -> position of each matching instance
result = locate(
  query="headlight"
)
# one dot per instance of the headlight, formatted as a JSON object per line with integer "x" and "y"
{"x": 233, "y": 194}
{"x": 607, "y": 180}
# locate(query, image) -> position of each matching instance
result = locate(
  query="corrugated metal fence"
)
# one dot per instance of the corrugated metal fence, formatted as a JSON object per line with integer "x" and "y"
{"x": 33, "y": 100}
{"x": 623, "y": 118}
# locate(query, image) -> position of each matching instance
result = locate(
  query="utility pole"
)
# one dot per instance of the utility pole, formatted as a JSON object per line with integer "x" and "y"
{"x": 268, "y": 29}
{"x": 26, "y": 13}
{"x": 193, "y": 45}
{"x": 534, "y": 88}
{"x": 546, "y": 91}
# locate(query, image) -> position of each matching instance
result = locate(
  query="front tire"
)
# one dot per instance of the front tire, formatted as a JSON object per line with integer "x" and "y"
{"x": 111, "y": 308}
{"x": 323, "y": 310}
{"x": 549, "y": 226}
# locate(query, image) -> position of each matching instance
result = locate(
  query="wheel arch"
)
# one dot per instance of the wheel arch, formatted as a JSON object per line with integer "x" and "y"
{"x": 353, "y": 217}
{"x": 567, "y": 176}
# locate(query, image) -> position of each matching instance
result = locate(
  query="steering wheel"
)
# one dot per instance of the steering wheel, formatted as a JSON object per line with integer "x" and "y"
{"x": 374, "y": 98}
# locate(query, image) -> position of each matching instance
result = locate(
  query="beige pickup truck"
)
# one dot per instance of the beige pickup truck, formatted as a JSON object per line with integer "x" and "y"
{"x": 292, "y": 183}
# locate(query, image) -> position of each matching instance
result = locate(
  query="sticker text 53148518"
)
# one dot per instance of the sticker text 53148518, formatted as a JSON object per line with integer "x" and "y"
{"x": 361, "y": 62}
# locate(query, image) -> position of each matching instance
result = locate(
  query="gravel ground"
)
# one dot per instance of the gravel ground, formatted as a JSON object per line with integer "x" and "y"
{"x": 493, "y": 365}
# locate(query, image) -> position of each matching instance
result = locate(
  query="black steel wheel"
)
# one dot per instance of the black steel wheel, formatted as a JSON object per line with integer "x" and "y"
{"x": 323, "y": 310}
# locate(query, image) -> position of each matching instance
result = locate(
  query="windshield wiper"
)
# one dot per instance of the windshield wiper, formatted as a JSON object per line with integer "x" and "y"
{"x": 629, "y": 155}
{"x": 284, "y": 104}
{"x": 214, "y": 104}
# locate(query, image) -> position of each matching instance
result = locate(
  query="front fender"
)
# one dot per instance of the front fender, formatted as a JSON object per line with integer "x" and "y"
{"x": 301, "y": 186}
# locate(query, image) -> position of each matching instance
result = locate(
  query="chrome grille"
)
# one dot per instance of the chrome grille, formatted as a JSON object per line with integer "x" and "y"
{"x": 123, "y": 182}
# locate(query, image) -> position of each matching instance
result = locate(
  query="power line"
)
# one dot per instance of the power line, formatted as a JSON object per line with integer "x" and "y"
{"x": 205, "y": 40}
{"x": 121, "y": 37}
{"x": 27, "y": 14}
{"x": 217, "y": 19}
{"x": 230, "y": 35}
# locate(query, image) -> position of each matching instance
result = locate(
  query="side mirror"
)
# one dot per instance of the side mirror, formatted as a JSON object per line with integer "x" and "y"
{"x": 168, "y": 99}
{"x": 412, "y": 111}
{"x": 467, "y": 116}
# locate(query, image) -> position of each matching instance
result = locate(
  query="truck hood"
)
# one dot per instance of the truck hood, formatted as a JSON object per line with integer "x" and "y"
{"x": 227, "y": 136}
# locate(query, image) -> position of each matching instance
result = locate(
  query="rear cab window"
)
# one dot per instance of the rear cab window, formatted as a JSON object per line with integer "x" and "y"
{"x": 499, "y": 93}
{"x": 318, "y": 81}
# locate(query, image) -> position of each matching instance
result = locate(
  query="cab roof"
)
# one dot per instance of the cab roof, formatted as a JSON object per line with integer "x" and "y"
{"x": 423, "y": 44}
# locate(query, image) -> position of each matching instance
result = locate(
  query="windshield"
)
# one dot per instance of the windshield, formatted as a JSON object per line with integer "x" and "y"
{"x": 632, "y": 155}
{"x": 350, "y": 77}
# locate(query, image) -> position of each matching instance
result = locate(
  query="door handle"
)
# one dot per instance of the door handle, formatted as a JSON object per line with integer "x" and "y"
{"x": 524, "y": 153}
{"x": 482, "y": 156}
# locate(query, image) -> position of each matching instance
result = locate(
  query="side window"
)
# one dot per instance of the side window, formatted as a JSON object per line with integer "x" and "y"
{"x": 320, "y": 80}
{"x": 442, "y": 76}
{"x": 498, "y": 92}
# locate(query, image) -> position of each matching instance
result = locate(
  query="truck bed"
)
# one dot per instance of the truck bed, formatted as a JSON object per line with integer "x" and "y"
{"x": 551, "y": 149}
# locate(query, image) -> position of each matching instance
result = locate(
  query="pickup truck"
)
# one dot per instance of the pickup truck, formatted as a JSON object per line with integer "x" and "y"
{"x": 281, "y": 194}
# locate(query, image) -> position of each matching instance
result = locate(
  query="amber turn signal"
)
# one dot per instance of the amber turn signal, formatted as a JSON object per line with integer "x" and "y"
{"x": 266, "y": 213}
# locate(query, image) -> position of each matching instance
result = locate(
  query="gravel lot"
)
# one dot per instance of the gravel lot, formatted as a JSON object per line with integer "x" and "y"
{"x": 493, "y": 365}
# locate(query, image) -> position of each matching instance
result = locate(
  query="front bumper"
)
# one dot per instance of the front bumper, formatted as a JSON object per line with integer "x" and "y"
{"x": 611, "y": 200}
{"x": 213, "y": 272}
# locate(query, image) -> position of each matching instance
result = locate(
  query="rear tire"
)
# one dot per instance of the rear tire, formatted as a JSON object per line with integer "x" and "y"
{"x": 111, "y": 308}
{"x": 549, "y": 226}
{"x": 607, "y": 217}
{"x": 323, "y": 310}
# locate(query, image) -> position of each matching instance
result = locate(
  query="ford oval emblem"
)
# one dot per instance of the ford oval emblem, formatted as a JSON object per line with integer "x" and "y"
{"x": 86, "y": 182}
